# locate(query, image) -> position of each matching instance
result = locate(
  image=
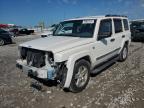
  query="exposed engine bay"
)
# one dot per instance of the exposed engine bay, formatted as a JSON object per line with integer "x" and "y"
{"x": 41, "y": 64}
{"x": 33, "y": 57}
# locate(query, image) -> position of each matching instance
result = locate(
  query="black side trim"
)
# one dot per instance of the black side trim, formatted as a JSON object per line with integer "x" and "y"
{"x": 104, "y": 64}
{"x": 107, "y": 54}
{"x": 100, "y": 64}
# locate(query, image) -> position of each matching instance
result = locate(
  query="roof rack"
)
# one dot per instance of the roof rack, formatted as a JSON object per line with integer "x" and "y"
{"x": 109, "y": 15}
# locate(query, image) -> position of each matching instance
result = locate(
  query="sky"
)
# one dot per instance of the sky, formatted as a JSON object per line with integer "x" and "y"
{"x": 31, "y": 12}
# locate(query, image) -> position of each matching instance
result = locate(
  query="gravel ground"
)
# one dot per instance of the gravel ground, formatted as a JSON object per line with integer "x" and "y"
{"x": 119, "y": 86}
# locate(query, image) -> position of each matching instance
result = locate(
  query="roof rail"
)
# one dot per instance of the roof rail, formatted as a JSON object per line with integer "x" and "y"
{"x": 109, "y": 15}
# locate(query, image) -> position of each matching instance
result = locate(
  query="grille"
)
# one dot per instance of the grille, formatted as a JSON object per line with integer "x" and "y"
{"x": 35, "y": 58}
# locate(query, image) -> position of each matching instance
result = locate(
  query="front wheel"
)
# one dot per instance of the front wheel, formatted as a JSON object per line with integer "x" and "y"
{"x": 124, "y": 53}
{"x": 81, "y": 76}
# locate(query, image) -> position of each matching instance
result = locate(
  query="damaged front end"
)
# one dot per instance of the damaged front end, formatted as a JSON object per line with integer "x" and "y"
{"x": 37, "y": 63}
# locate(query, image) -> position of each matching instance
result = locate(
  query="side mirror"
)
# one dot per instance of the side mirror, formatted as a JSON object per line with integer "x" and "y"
{"x": 104, "y": 35}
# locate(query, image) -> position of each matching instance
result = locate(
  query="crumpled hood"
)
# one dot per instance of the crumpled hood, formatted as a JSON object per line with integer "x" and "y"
{"x": 56, "y": 43}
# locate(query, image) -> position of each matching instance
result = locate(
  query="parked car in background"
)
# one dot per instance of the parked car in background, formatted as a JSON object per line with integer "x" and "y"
{"x": 46, "y": 33}
{"x": 15, "y": 31}
{"x": 49, "y": 31}
{"x": 5, "y": 37}
{"x": 25, "y": 31}
{"x": 137, "y": 30}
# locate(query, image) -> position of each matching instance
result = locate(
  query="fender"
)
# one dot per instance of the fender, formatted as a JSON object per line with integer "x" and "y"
{"x": 70, "y": 66}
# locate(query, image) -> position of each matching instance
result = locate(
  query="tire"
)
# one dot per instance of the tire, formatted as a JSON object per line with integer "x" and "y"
{"x": 2, "y": 42}
{"x": 124, "y": 53}
{"x": 81, "y": 76}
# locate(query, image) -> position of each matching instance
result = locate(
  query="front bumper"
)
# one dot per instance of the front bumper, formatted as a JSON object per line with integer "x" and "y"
{"x": 43, "y": 73}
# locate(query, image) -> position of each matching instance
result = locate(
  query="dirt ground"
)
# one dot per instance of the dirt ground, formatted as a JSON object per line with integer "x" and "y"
{"x": 119, "y": 86}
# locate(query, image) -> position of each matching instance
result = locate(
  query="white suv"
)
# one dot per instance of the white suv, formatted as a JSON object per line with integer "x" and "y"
{"x": 77, "y": 48}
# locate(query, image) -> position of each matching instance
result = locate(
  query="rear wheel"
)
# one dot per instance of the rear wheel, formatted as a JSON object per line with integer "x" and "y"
{"x": 124, "y": 53}
{"x": 2, "y": 42}
{"x": 81, "y": 76}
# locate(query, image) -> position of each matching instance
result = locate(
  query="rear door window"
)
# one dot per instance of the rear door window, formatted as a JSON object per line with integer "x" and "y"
{"x": 118, "y": 25}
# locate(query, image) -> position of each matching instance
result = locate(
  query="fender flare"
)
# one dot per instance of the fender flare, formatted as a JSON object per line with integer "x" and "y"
{"x": 123, "y": 43}
{"x": 70, "y": 66}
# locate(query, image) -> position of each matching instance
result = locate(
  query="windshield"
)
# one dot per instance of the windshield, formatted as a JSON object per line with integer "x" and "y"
{"x": 76, "y": 28}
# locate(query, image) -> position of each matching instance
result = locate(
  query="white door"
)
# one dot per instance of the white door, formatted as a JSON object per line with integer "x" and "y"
{"x": 119, "y": 34}
{"x": 103, "y": 47}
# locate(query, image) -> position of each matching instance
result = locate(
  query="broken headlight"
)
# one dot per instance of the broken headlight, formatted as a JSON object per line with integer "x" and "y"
{"x": 50, "y": 58}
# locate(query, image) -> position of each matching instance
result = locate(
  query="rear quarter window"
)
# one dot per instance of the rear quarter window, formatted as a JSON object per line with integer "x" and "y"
{"x": 118, "y": 25}
{"x": 125, "y": 21}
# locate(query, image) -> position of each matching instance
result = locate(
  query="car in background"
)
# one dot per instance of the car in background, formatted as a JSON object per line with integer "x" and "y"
{"x": 15, "y": 31}
{"x": 137, "y": 30}
{"x": 5, "y": 37}
{"x": 46, "y": 33}
{"x": 49, "y": 31}
{"x": 25, "y": 31}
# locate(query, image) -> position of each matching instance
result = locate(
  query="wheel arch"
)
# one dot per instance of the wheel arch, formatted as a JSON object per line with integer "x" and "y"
{"x": 126, "y": 42}
{"x": 71, "y": 62}
{"x": 87, "y": 58}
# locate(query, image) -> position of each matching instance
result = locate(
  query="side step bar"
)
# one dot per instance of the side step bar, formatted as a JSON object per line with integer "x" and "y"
{"x": 100, "y": 67}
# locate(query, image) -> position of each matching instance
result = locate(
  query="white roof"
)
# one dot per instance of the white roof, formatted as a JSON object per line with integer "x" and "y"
{"x": 88, "y": 17}
{"x": 94, "y": 17}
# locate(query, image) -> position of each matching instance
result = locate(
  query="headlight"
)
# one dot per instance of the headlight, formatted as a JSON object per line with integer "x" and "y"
{"x": 50, "y": 57}
{"x": 22, "y": 52}
{"x": 19, "y": 50}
